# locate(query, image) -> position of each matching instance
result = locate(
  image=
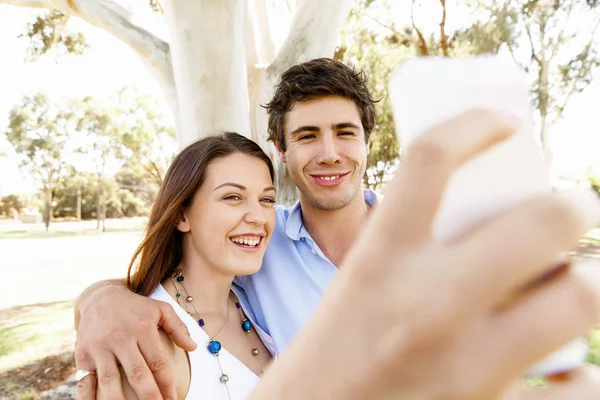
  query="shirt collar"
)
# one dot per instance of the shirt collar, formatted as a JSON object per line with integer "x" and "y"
{"x": 294, "y": 227}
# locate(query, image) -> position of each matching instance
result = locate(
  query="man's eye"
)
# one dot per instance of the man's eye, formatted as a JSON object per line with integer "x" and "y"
{"x": 306, "y": 137}
{"x": 346, "y": 133}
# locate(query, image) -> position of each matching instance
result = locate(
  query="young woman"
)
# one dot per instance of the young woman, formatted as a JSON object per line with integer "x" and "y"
{"x": 212, "y": 220}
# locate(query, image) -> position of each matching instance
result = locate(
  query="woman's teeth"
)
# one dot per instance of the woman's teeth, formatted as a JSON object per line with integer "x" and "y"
{"x": 250, "y": 242}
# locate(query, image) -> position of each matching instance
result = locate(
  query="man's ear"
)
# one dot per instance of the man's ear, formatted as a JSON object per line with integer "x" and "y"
{"x": 281, "y": 153}
{"x": 183, "y": 225}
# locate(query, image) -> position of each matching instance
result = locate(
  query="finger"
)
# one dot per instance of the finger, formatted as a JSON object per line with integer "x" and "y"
{"x": 550, "y": 317}
{"x": 109, "y": 377}
{"x": 519, "y": 245}
{"x": 137, "y": 371}
{"x": 174, "y": 327}
{"x": 86, "y": 388}
{"x": 413, "y": 197}
{"x": 154, "y": 353}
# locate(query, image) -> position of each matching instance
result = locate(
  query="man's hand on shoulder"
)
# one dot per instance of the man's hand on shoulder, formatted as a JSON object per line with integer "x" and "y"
{"x": 120, "y": 328}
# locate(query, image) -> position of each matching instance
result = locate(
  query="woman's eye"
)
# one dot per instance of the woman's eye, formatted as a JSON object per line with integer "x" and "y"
{"x": 234, "y": 197}
{"x": 269, "y": 200}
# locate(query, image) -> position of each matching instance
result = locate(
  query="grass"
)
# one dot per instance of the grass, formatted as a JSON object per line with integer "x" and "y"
{"x": 32, "y": 332}
{"x": 70, "y": 229}
{"x": 36, "y": 348}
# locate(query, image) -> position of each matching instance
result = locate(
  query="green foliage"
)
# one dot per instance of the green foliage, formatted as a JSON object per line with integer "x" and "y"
{"x": 149, "y": 140}
{"x": 10, "y": 203}
{"x": 377, "y": 52}
{"x": 38, "y": 132}
{"x": 49, "y": 31}
{"x": 541, "y": 36}
{"x": 122, "y": 199}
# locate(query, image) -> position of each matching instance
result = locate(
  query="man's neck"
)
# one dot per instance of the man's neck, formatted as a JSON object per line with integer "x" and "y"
{"x": 335, "y": 231}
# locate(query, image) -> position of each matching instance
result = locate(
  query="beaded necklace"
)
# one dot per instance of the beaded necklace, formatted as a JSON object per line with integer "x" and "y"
{"x": 214, "y": 346}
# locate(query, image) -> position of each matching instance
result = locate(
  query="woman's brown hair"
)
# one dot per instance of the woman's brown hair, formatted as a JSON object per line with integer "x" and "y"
{"x": 161, "y": 250}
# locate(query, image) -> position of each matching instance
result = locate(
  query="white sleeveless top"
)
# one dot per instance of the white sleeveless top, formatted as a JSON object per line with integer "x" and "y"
{"x": 205, "y": 372}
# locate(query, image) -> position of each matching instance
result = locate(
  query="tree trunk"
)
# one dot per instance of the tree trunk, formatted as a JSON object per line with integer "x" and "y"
{"x": 47, "y": 207}
{"x": 543, "y": 107}
{"x": 99, "y": 201}
{"x": 207, "y": 50}
{"x": 79, "y": 204}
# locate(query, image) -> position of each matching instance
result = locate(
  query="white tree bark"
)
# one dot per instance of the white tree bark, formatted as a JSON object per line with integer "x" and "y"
{"x": 207, "y": 45}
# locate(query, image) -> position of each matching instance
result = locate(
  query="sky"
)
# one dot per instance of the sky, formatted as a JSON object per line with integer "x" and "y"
{"x": 108, "y": 65}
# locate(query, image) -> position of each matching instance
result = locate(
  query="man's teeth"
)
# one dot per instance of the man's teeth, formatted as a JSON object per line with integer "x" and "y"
{"x": 330, "y": 178}
{"x": 246, "y": 241}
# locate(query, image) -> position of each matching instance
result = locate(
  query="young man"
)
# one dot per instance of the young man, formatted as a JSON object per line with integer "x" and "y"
{"x": 320, "y": 120}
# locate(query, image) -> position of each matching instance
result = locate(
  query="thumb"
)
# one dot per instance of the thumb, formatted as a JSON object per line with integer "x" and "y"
{"x": 175, "y": 327}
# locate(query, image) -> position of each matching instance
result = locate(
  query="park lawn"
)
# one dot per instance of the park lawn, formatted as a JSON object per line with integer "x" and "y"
{"x": 36, "y": 350}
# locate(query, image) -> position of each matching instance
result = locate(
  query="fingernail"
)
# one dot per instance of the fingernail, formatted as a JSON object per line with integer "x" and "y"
{"x": 586, "y": 203}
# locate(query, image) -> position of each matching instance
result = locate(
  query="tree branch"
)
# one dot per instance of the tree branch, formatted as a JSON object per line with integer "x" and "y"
{"x": 443, "y": 37}
{"x": 573, "y": 88}
{"x": 533, "y": 55}
{"x": 559, "y": 38}
{"x": 397, "y": 34}
{"x": 314, "y": 33}
{"x": 422, "y": 44}
{"x": 259, "y": 18}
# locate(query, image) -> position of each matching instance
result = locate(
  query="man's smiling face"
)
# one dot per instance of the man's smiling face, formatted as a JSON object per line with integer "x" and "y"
{"x": 326, "y": 152}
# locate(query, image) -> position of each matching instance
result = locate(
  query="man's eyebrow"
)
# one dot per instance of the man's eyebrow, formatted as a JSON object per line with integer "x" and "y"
{"x": 305, "y": 128}
{"x": 343, "y": 125}
{"x": 237, "y": 185}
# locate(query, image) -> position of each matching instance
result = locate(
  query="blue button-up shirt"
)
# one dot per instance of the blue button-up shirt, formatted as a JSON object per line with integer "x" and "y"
{"x": 294, "y": 276}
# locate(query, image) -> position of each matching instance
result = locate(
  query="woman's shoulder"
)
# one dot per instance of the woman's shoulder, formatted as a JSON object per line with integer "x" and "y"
{"x": 177, "y": 359}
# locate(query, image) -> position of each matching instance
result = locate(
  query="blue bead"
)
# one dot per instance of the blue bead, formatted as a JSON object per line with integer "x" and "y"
{"x": 201, "y": 323}
{"x": 246, "y": 325}
{"x": 180, "y": 278}
{"x": 237, "y": 305}
{"x": 214, "y": 347}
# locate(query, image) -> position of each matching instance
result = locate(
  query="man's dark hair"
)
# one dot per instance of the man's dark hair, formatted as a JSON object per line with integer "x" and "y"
{"x": 314, "y": 79}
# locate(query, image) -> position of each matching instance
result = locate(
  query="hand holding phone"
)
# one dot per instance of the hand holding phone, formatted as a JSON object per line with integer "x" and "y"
{"x": 428, "y": 91}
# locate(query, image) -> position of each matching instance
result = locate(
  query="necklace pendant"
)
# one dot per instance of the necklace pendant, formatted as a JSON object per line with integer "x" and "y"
{"x": 214, "y": 347}
{"x": 246, "y": 326}
{"x": 255, "y": 352}
{"x": 224, "y": 379}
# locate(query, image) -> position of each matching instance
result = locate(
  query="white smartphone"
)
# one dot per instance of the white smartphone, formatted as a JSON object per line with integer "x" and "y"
{"x": 427, "y": 91}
